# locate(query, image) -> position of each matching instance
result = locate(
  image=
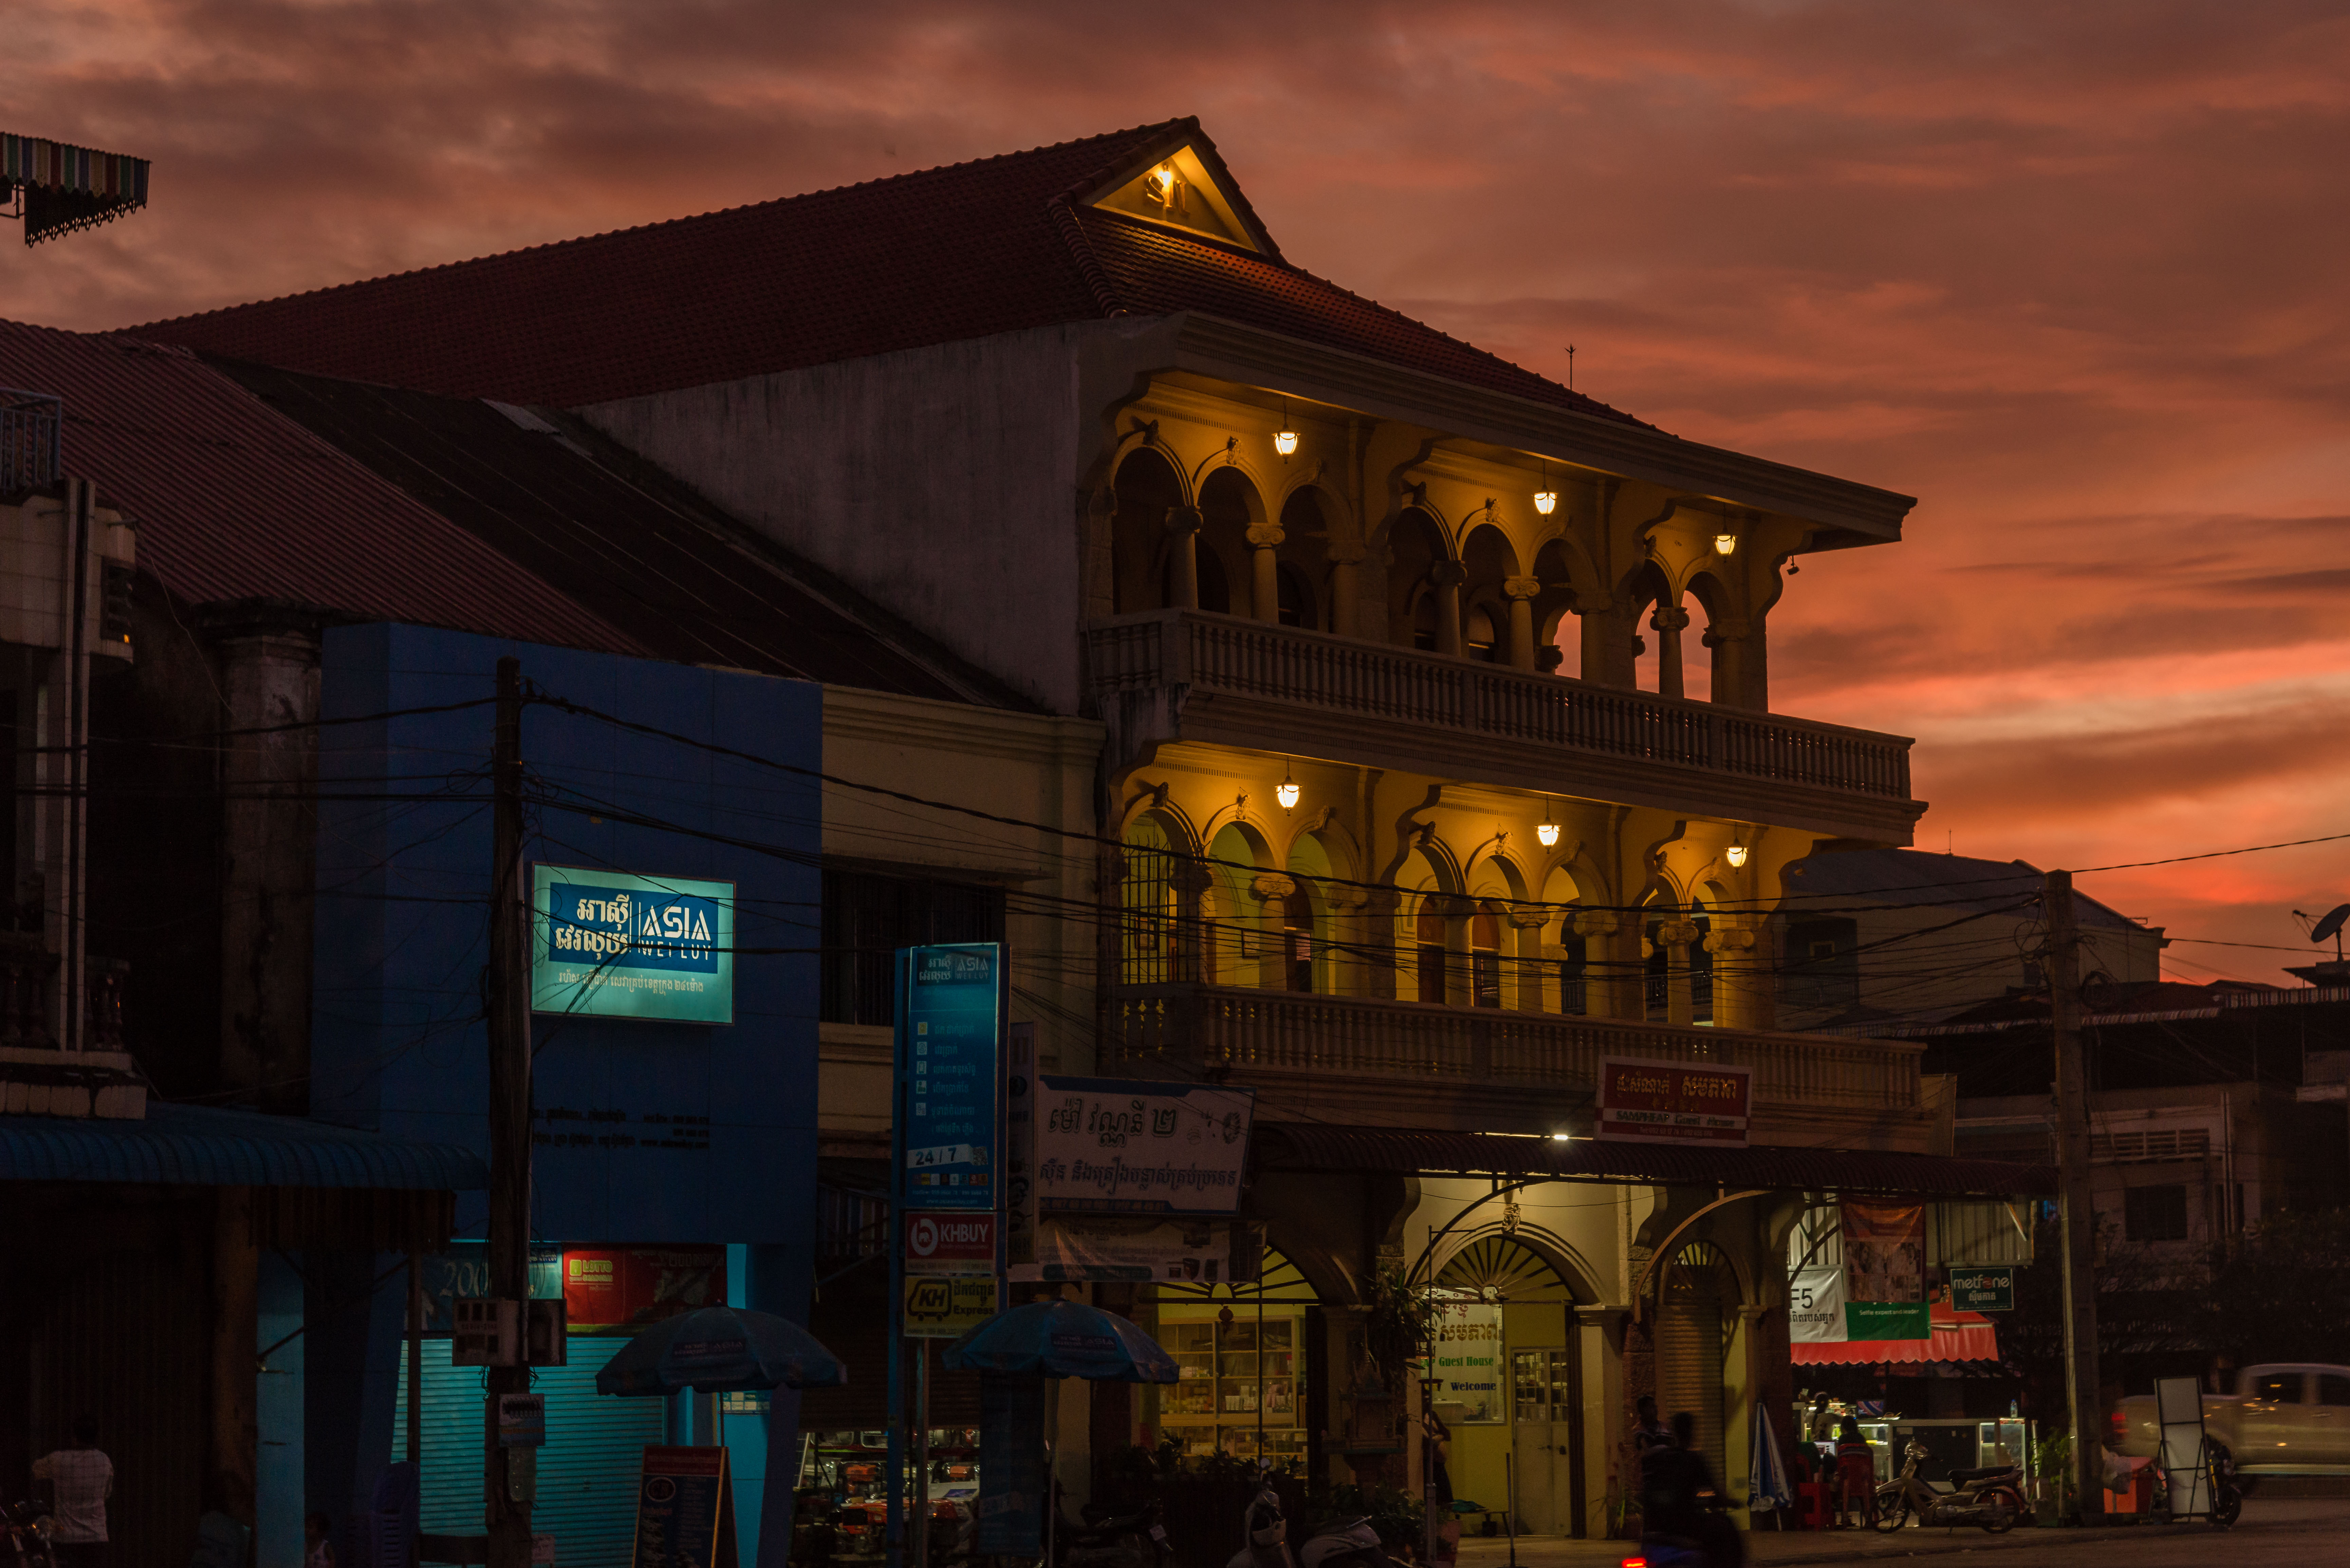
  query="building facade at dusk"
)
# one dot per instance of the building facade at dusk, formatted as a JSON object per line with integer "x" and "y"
{"x": 1428, "y": 751}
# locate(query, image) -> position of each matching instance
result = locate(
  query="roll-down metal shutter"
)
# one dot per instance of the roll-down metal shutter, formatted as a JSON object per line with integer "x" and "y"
{"x": 1688, "y": 1355}
{"x": 587, "y": 1472}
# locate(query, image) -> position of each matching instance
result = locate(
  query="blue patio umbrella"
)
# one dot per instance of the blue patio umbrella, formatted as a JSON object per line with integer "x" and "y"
{"x": 1062, "y": 1339}
{"x": 719, "y": 1349}
{"x": 1767, "y": 1473}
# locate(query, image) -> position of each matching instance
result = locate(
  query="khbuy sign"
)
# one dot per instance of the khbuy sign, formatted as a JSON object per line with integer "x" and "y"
{"x": 1642, "y": 1101}
{"x": 609, "y": 944}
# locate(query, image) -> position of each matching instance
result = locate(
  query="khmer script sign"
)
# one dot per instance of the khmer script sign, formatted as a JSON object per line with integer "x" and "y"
{"x": 1115, "y": 1146}
{"x": 608, "y": 944}
{"x": 1642, "y": 1101}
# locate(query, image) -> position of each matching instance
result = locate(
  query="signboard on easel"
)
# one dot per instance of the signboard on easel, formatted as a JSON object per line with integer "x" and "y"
{"x": 685, "y": 1510}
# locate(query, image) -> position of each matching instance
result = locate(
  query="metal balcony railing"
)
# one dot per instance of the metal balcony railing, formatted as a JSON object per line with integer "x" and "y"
{"x": 1222, "y": 654}
{"x": 32, "y": 439}
{"x": 1192, "y": 1028}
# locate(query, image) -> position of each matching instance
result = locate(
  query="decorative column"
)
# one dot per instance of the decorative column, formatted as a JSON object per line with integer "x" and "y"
{"x": 1535, "y": 982}
{"x": 1191, "y": 879}
{"x": 1264, "y": 572}
{"x": 1522, "y": 592}
{"x": 1346, "y": 588}
{"x": 1272, "y": 890}
{"x": 1183, "y": 557}
{"x": 1668, "y": 623}
{"x": 1675, "y": 937}
{"x": 1726, "y": 640}
{"x": 1447, "y": 576}
{"x": 1608, "y": 978}
{"x": 1741, "y": 987}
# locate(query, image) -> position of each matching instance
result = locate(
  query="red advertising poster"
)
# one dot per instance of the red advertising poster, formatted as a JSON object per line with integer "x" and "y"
{"x": 1672, "y": 1102}
{"x": 950, "y": 1243}
{"x": 619, "y": 1290}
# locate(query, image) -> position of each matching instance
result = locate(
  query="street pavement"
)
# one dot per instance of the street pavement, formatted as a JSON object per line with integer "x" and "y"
{"x": 2274, "y": 1531}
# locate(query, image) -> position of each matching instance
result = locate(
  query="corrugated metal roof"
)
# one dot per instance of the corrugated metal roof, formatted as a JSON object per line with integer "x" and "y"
{"x": 941, "y": 255}
{"x": 204, "y": 1145}
{"x": 235, "y": 502}
{"x": 1293, "y": 1146}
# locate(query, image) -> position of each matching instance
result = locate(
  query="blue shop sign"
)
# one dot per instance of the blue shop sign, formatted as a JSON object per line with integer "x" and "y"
{"x": 609, "y": 944}
{"x": 949, "y": 1049}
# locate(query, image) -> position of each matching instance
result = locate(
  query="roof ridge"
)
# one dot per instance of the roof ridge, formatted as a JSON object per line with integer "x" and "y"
{"x": 575, "y": 240}
{"x": 1285, "y": 265}
{"x": 1073, "y": 234}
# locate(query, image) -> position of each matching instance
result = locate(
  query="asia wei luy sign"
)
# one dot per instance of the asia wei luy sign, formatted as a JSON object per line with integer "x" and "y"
{"x": 611, "y": 944}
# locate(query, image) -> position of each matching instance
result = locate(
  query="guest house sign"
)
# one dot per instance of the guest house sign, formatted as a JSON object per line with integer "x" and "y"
{"x": 1642, "y": 1101}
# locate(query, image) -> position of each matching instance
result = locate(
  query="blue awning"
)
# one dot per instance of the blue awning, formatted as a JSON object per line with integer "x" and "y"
{"x": 202, "y": 1146}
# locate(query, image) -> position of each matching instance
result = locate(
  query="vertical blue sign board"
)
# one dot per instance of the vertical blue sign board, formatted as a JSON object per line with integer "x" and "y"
{"x": 949, "y": 1047}
{"x": 946, "y": 1136}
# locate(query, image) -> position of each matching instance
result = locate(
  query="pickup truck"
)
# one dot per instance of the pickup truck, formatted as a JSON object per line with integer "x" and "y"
{"x": 2282, "y": 1420}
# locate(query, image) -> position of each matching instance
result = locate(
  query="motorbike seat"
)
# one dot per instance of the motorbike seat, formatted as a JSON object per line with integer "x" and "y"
{"x": 1961, "y": 1478}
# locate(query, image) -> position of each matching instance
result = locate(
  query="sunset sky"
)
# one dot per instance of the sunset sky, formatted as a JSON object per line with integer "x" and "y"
{"x": 2072, "y": 275}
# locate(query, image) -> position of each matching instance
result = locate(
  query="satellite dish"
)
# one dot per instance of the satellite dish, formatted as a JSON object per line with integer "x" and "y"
{"x": 2331, "y": 925}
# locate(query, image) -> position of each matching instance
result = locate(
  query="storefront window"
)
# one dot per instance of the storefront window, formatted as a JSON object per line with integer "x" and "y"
{"x": 1241, "y": 1385}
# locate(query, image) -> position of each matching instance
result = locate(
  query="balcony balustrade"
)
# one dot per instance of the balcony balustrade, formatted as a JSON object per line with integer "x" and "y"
{"x": 1325, "y": 1048}
{"x": 1151, "y": 673}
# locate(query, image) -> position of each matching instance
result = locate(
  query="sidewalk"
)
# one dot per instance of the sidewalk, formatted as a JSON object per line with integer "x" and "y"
{"x": 1786, "y": 1549}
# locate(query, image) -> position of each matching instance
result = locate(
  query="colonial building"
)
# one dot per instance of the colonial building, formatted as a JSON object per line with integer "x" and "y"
{"x": 1436, "y": 758}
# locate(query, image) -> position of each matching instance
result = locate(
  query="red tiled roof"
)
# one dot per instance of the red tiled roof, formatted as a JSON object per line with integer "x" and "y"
{"x": 235, "y": 502}
{"x": 945, "y": 254}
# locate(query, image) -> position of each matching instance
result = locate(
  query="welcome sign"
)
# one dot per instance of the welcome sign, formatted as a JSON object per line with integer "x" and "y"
{"x": 609, "y": 944}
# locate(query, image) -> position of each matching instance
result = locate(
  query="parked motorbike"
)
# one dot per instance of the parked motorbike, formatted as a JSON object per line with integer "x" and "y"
{"x": 1135, "y": 1539}
{"x": 1343, "y": 1543}
{"x": 25, "y": 1532}
{"x": 1268, "y": 1532}
{"x": 1991, "y": 1498}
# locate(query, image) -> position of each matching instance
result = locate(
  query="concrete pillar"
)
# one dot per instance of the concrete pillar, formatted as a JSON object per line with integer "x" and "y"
{"x": 1264, "y": 573}
{"x": 1530, "y": 978}
{"x": 1674, "y": 936}
{"x": 1612, "y": 979}
{"x": 269, "y": 821}
{"x": 1183, "y": 557}
{"x": 1447, "y": 576}
{"x": 1522, "y": 592}
{"x": 1742, "y": 984}
{"x": 1726, "y": 641}
{"x": 1272, "y": 890}
{"x": 1611, "y": 641}
{"x": 1346, "y": 590}
{"x": 1668, "y": 623}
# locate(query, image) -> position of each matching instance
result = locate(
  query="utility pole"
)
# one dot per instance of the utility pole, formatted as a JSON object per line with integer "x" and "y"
{"x": 2079, "y": 1211}
{"x": 506, "y": 1484}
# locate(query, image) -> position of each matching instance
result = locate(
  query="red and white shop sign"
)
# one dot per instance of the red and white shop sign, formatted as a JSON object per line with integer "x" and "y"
{"x": 1673, "y": 1102}
{"x": 950, "y": 1243}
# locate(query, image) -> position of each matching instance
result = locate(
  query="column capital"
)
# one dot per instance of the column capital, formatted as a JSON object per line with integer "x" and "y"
{"x": 1345, "y": 553}
{"x": 1677, "y": 933}
{"x": 1183, "y": 519}
{"x": 1597, "y": 922}
{"x": 1272, "y": 886}
{"x": 1448, "y": 573}
{"x": 1529, "y": 920}
{"x": 1670, "y": 618}
{"x": 1521, "y": 588}
{"x": 1266, "y": 535}
{"x": 1729, "y": 939}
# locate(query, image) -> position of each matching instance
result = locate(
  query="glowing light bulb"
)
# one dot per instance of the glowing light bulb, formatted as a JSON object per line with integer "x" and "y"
{"x": 1725, "y": 543}
{"x": 1559, "y": 1137}
{"x": 1285, "y": 442}
{"x": 1548, "y": 833}
{"x": 1285, "y": 792}
{"x": 1735, "y": 855}
{"x": 1164, "y": 178}
{"x": 1545, "y": 502}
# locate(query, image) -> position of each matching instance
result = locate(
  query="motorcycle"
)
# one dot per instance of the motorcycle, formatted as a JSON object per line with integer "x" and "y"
{"x": 1991, "y": 1499}
{"x": 1105, "y": 1539}
{"x": 1343, "y": 1542}
{"x": 25, "y": 1527}
{"x": 1267, "y": 1531}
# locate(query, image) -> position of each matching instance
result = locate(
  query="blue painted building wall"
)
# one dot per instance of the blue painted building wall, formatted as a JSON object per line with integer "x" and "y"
{"x": 677, "y": 1133}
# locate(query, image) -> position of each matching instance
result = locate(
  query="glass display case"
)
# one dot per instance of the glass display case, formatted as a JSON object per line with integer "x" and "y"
{"x": 1240, "y": 1385}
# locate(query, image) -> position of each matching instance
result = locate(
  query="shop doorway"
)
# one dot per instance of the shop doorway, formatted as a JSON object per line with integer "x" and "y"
{"x": 1527, "y": 1454}
{"x": 1691, "y": 1338}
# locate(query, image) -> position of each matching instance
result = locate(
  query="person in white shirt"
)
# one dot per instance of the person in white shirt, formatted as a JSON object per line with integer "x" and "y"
{"x": 81, "y": 1480}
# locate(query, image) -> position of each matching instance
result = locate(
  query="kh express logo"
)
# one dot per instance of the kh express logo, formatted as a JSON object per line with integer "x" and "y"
{"x": 626, "y": 927}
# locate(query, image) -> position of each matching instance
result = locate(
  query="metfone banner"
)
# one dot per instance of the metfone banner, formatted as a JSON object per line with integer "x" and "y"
{"x": 1114, "y": 1145}
{"x": 1884, "y": 1272}
{"x": 1642, "y": 1101}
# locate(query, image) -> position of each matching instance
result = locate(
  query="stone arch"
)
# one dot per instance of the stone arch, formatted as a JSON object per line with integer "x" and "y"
{"x": 1235, "y": 951}
{"x": 1473, "y": 1257}
{"x": 1147, "y": 490}
{"x": 1309, "y": 515}
{"x": 1488, "y": 562}
{"x": 1229, "y": 505}
{"x": 1161, "y": 880}
{"x": 1421, "y": 565}
{"x": 1567, "y": 578}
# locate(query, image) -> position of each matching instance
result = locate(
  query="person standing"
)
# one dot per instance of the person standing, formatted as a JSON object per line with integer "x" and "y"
{"x": 81, "y": 1480}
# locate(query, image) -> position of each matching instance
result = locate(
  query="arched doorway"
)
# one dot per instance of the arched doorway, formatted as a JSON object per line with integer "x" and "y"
{"x": 1694, "y": 1316}
{"x": 1250, "y": 1355}
{"x": 1524, "y": 1451}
